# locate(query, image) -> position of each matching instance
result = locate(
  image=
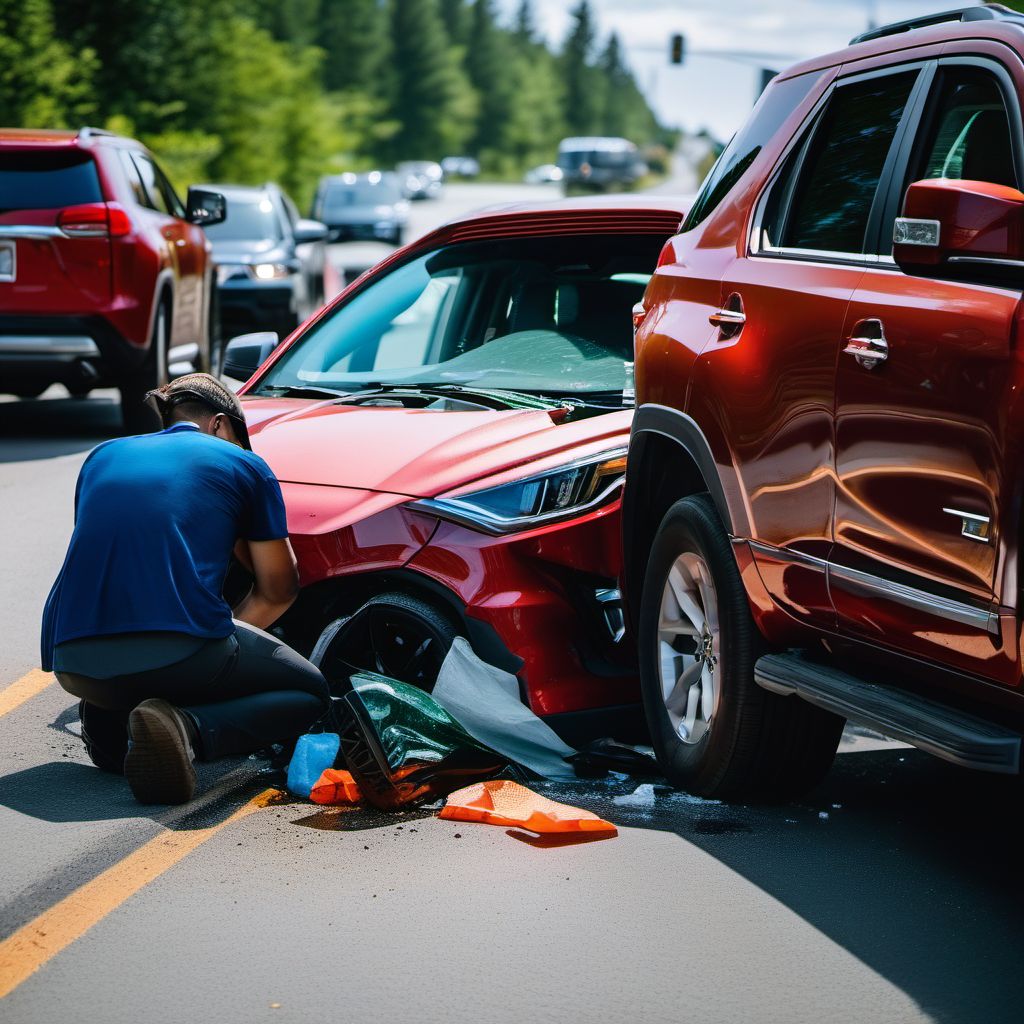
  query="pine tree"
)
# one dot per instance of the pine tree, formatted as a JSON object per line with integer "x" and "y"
{"x": 582, "y": 84}
{"x": 617, "y": 80}
{"x": 431, "y": 97}
{"x": 455, "y": 15}
{"x": 525, "y": 28}
{"x": 487, "y": 64}
{"x": 353, "y": 35}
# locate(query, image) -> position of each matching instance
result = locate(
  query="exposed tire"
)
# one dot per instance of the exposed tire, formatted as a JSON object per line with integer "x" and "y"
{"x": 715, "y": 732}
{"x": 395, "y": 634}
{"x": 136, "y": 416}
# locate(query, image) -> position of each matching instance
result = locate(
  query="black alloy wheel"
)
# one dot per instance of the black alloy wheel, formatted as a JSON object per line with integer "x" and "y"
{"x": 396, "y": 635}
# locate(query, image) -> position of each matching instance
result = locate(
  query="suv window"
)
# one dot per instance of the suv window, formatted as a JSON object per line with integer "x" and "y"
{"x": 39, "y": 180}
{"x": 779, "y": 100}
{"x": 970, "y": 136}
{"x": 161, "y": 195}
{"x": 131, "y": 172}
{"x": 840, "y": 173}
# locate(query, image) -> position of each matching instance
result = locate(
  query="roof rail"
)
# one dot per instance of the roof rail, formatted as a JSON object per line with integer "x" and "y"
{"x": 984, "y": 12}
{"x": 87, "y": 132}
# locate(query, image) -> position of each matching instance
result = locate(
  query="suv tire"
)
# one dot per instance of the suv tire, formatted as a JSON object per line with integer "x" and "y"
{"x": 136, "y": 416}
{"x": 716, "y": 733}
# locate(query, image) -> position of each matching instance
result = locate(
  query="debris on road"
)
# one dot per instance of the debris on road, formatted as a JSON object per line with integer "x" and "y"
{"x": 336, "y": 786}
{"x": 314, "y": 753}
{"x": 506, "y": 803}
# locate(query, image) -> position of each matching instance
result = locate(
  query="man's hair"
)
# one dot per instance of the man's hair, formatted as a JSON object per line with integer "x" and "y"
{"x": 193, "y": 410}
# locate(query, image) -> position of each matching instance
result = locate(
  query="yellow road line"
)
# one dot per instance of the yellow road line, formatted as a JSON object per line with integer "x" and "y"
{"x": 26, "y": 687}
{"x": 39, "y": 941}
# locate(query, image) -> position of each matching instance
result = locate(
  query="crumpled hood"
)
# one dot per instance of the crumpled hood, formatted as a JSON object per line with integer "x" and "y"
{"x": 417, "y": 453}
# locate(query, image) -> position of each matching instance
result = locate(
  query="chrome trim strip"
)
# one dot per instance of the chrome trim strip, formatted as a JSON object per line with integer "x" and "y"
{"x": 986, "y": 260}
{"x": 857, "y": 582}
{"x": 49, "y": 345}
{"x": 31, "y": 231}
{"x": 972, "y": 526}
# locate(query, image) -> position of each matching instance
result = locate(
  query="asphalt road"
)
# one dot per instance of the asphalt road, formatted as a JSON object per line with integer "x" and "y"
{"x": 890, "y": 894}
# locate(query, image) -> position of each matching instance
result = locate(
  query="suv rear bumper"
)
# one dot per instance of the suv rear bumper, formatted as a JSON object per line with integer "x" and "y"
{"x": 73, "y": 350}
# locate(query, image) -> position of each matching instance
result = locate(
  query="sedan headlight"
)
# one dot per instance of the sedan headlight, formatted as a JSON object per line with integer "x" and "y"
{"x": 558, "y": 494}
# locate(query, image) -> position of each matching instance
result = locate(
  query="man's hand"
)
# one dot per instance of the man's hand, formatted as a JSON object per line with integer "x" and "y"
{"x": 277, "y": 582}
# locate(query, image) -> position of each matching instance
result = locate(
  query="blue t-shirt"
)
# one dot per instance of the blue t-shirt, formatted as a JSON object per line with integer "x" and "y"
{"x": 156, "y": 519}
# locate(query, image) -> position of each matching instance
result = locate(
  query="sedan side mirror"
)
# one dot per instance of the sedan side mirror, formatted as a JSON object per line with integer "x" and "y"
{"x": 244, "y": 355}
{"x": 309, "y": 231}
{"x": 968, "y": 225}
{"x": 204, "y": 208}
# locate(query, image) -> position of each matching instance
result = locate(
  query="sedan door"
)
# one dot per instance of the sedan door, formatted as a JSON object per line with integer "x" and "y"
{"x": 924, "y": 519}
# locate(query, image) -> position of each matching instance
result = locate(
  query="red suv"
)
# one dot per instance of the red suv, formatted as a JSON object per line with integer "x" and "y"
{"x": 825, "y": 491}
{"x": 105, "y": 276}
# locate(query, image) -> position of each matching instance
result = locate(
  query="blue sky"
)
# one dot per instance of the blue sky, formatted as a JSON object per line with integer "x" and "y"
{"x": 709, "y": 91}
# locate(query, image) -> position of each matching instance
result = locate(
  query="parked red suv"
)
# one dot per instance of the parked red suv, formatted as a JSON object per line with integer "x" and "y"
{"x": 823, "y": 506}
{"x": 104, "y": 275}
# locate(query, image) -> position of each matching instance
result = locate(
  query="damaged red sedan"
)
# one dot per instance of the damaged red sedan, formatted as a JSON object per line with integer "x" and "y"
{"x": 450, "y": 435}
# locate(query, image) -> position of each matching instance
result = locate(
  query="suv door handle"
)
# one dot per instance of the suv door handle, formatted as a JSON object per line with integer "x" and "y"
{"x": 726, "y": 318}
{"x": 867, "y": 344}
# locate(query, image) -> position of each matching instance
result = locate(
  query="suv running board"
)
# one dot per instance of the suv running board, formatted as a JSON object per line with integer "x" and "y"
{"x": 933, "y": 727}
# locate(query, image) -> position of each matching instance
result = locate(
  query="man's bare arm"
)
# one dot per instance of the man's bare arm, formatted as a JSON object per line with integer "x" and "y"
{"x": 276, "y": 582}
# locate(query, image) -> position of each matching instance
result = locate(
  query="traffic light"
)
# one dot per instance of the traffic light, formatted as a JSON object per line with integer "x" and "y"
{"x": 677, "y": 49}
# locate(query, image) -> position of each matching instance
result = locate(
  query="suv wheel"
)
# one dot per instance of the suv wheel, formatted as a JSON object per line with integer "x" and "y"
{"x": 716, "y": 733}
{"x": 136, "y": 416}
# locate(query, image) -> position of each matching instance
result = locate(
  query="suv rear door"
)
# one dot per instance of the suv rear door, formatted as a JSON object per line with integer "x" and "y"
{"x": 54, "y": 232}
{"x": 922, "y": 458}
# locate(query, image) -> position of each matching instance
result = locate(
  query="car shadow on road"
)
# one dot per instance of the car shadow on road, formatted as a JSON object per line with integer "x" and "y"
{"x": 911, "y": 865}
{"x": 44, "y": 428}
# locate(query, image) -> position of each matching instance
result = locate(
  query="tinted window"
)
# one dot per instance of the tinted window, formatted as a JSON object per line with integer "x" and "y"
{"x": 44, "y": 181}
{"x": 154, "y": 198}
{"x": 131, "y": 172}
{"x": 970, "y": 136}
{"x": 841, "y": 171}
{"x": 774, "y": 106}
{"x": 361, "y": 193}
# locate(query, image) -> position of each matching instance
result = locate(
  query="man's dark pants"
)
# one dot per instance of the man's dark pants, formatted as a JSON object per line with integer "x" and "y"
{"x": 244, "y": 693}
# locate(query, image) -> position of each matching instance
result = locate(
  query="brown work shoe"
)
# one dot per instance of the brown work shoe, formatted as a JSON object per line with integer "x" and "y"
{"x": 158, "y": 765}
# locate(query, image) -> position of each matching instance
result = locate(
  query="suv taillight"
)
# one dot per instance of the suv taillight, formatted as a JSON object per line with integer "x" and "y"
{"x": 94, "y": 220}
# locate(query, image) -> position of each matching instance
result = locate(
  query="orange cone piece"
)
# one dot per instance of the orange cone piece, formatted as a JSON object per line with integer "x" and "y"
{"x": 335, "y": 786}
{"x": 501, "y": 802}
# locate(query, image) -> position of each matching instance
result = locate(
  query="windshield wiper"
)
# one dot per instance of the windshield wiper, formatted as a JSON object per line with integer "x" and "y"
{"x": 527, "y": 399}
{"x": 302, "y": 391}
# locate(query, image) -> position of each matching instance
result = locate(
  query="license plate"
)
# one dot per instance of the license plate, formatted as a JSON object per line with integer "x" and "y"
{"x": 7, "y": 266}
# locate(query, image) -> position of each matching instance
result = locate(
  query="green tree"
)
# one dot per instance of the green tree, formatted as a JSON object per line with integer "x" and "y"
{"x": 489, "y": 69}
{"x": 583, "y": 92}
{"x": 43, "y": 83}
{"x": 431, "y": 97}
{"x": 353, "y": 35}
{"x": 455, "y": 15}
{"x": 616, "y": 116}
{"x": 525, "y": 28}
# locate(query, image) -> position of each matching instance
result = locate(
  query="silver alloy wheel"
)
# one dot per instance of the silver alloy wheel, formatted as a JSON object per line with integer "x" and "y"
{"x": 689, "y": 647}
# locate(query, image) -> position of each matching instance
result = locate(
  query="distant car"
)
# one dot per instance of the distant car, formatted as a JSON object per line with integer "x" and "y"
{"x": 421, "y": 179}
{"x": 543, "y": 175}
{"x": 597, "y": 163}
{"x": 105, "y": 275}
{"x": 270, "y": 262}
{"x": 366, "y": 206}
{"x": 460, "y": 167}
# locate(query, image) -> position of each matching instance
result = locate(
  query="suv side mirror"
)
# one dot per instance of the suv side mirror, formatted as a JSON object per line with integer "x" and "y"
{"x": 309, "y": 231}
{"x": 203, "y": 207}
{"x": 969, "y": 223}
{"x": 244, "y": 355}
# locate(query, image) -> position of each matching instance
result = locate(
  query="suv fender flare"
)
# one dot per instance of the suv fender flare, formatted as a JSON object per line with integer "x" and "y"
{"x": 684, "y": 431}
{"x": 164, "y": 283}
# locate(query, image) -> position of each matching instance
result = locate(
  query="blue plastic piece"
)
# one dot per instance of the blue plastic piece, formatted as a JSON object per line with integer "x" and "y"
{"x": 314, "y": 753}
